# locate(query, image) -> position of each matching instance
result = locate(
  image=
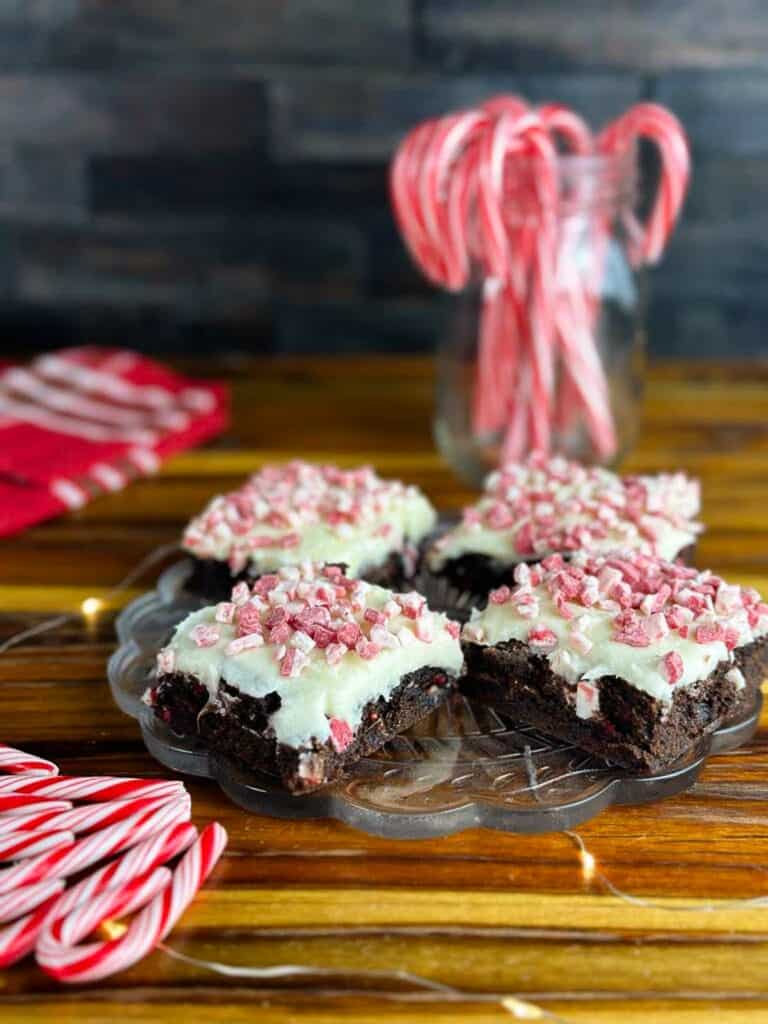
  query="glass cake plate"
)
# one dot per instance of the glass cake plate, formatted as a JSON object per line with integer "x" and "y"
{"x": 467, "y": 765}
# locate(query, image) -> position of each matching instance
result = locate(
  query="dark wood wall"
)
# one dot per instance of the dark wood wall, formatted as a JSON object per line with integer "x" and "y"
{"x": 181, "y": 173}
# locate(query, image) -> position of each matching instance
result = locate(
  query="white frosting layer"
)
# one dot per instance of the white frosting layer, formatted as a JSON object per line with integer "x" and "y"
{"x": 321, "y": 691}
{"x": 300, "y": 512}
{"x": 642, "y": 667}
{"x": 532, "y": 510}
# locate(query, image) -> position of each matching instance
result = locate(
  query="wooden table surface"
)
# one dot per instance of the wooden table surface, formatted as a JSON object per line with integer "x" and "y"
{"x": 487, "y": 914}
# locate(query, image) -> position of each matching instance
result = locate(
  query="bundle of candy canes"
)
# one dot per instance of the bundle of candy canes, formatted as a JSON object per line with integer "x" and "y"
{"x": 127, "y": 831}
{"x": 487, "y": 188}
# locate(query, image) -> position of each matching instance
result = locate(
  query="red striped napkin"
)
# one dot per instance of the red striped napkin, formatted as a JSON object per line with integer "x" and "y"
{"x": 79, "y": 422}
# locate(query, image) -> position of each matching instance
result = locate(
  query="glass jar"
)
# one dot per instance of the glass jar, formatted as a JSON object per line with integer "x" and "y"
{"x": 588, "y": 323}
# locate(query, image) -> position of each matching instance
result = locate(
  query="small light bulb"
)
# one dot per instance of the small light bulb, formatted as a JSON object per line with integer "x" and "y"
{"x": 522, "y": 1010}
{"x": 587, "y": 865}
{"x": 113, "y": 929}
{"x": 91, "y": 607}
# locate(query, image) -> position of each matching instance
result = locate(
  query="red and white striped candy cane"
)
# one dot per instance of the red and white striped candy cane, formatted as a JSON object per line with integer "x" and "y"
{"x": 67, "y": 860}
{"x": 445, "y": 149}
{"x": 658, "y": 125}
{"x": 19, "y": 902}
{"x": 93, "y": 789}
{"x": 18, "y": 939}
{"x": 16, "y": 846}
{"x": 17, "y": 762}
{"x": 138, "y": 861}
{"x": 404, "y": 190}
{"x": 13, "y": 806}
{"x": 82, "y": 819}
{"x": 76, "y": 965}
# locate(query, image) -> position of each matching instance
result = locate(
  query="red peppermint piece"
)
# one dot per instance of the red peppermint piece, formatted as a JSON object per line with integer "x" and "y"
{"x": 322, "y": 635}
{"x": 500, "y": 596}
{"x": 374, "y": 616}
{"x": 367, "y": 649}
{"x": 453, "y": 629}
{"x": 264, "y": 584}
{"x": 540, "y": 636}
{"x": 289, "y": 540}
{"x": 248, "y": 620}
{"x": 673, "y": 666}
{"x": 563, "y": 608}
{"x": 524, "y": 540}
{"x": 335, "y": 652}
{"x": 288, "y": 661}
{"x": 710, "y": 633}
{"x": 341, "y": 734}
{"x": 349, "y": 634}
{"x": 205, "y": 636}
{"x": 731, "y": 638}
{"x": 275, "y": 617}
{"x": 280, "y": 634}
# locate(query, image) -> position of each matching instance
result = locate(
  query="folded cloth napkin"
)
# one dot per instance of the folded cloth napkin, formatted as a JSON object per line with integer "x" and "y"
{"x": 79, "y": 422}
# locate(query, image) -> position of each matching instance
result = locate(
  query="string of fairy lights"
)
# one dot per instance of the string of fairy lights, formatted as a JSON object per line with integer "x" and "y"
{"x": 89, "y": 613}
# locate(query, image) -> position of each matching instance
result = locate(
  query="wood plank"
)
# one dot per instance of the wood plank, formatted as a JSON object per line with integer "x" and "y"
{"x": 658, "y": 35}
{"x": 187, "y": 33}
{"x": 273, "y": 1006}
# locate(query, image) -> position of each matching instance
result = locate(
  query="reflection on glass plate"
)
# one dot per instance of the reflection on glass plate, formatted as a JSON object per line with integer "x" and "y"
{"x": 466, "y": 765}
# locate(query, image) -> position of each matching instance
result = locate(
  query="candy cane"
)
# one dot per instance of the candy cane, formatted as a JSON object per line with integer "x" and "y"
{"x": 12, "y": 806}
{"x": 15, "y": 846}
{"x": 17, "y": 762}
{"x": 91, "y": 788}
{"x": 57, "y": 952}
{"x": 14, "y": 905}
{"x": 67, "y": 860}
{"x": 18, "y": 939}
{"x": 651, "y": 121}
{"x": 83, "y": 819}
{"x": 20, "y": 936}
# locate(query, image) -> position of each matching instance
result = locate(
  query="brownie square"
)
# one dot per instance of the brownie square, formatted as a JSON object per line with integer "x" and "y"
{"x": 306, "y": 672}
{"x": 546, "y": 506}
{"x": 629, "y": 657}
{"x": 297, "y": 512}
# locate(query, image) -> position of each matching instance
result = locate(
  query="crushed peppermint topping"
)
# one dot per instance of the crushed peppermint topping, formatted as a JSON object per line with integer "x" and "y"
{"x": 539, "y": 636}
{"x": 166, "y": 660}
{"x": 274, "y": 505}
{"x": 205, "y": 636}
{"x": 673, "y": 666}
{"x": 647, "y": 598}
{"x": 341, "y": 734}
{"x": 589, "y": 607}
{"x": 551, "y": 504}
{"x": 299, "y": 609}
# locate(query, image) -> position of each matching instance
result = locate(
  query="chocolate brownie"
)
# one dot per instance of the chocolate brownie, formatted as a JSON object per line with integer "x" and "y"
{"x": 543, "y": 506}
{"x": 297, "y": 512}
{"x": 627, "y": 656}
{"x": 306, "y": 672}
{"x": 237, "y": 726}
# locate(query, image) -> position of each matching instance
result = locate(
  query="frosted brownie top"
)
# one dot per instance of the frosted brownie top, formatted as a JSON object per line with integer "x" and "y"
{"x": 326, "y": 644}
{"x": 532, "y": 509}
{"x": 655, "y": 624}
{"x": 299, "y": 511}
